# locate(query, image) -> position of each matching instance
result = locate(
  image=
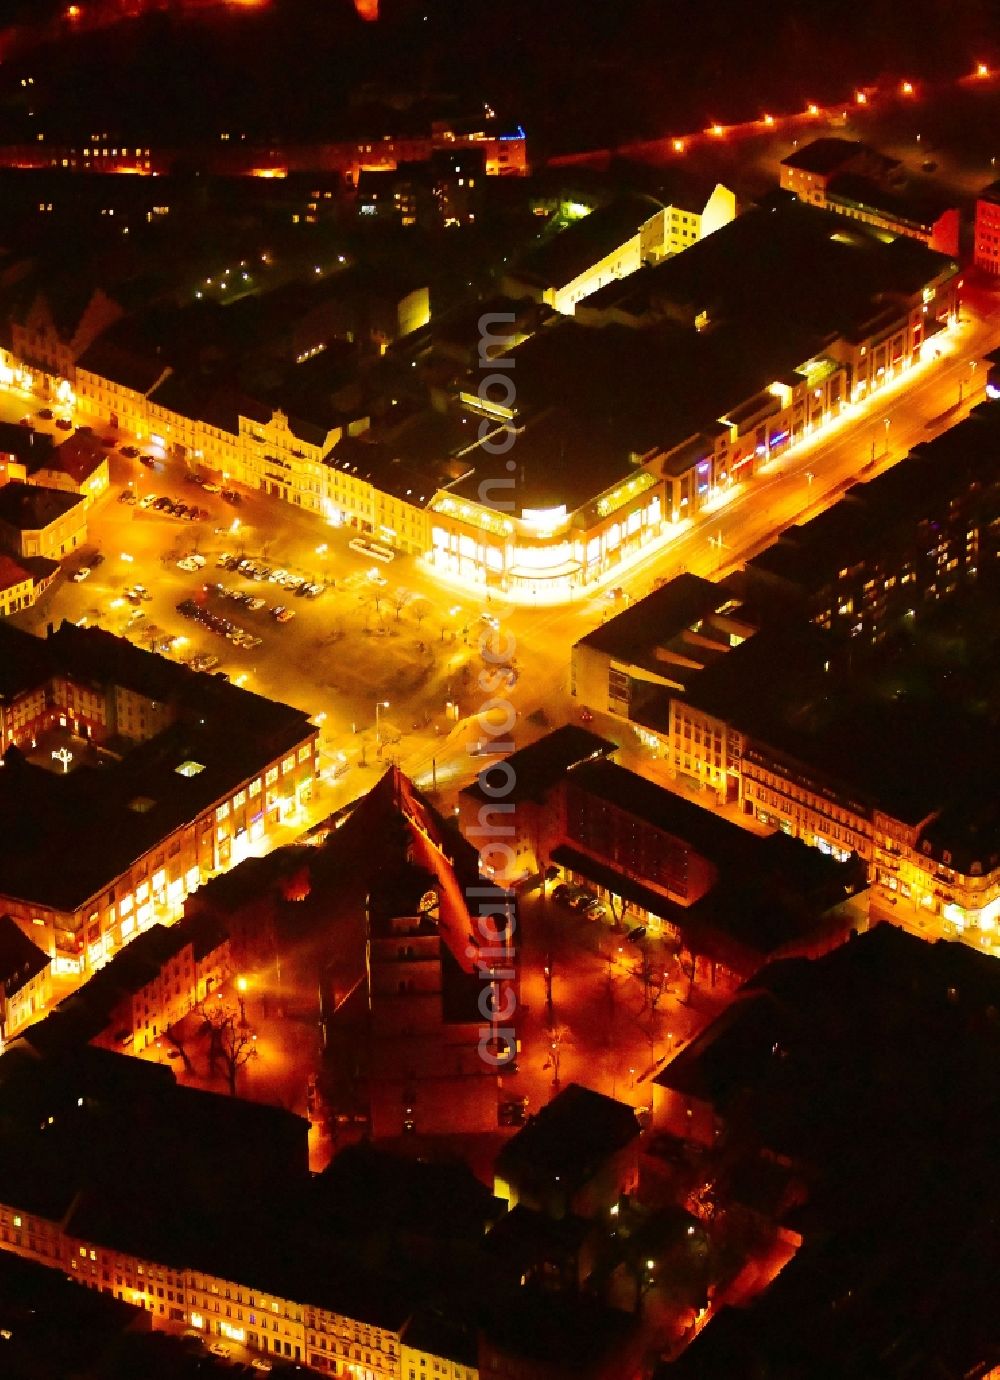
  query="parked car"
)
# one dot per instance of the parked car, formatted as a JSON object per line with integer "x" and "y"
{"x": 562, "y": 893}
{"x": 63, "y": 423}
{"x": 186, "y": 563}
{"x": 148, "y": 461}
{"x": 209, "y": 487}
{"x": 284, "y": 615}
{"x": 126, "y": 496}
{"x": 46, "y": 414}
{"x": 81, "y": 574}
{"x": 96, "y": 560}
{"x": 130, "y": 452}
{"x": 513, "y": 1111}
{"x": 231, "y": 496}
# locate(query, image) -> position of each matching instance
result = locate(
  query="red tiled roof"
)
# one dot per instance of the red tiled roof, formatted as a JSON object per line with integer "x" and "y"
{"x": 11, "y": 573}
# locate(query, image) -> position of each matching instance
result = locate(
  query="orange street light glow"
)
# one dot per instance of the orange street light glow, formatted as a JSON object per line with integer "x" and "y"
{"x": 678, "y": 146}
{"x": 73, "y": 12}
{"x": 812, "y": 109}
{"x": 717, "y": 129}
{"x": 982, "y": 70}
{"x": 907, "y": 88}
{"x": 860, "y": 98}
{"x": 768, "y": 120}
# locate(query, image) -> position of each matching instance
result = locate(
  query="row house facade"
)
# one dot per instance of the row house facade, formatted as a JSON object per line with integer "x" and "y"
{"x": 220, "y": 1308}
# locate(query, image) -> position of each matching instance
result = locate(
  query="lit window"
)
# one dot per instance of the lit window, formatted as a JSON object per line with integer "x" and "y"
{"x": 189, "y": 768}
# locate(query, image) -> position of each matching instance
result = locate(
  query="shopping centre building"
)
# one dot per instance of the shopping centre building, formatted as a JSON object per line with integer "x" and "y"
{"x": 577, "y": 447}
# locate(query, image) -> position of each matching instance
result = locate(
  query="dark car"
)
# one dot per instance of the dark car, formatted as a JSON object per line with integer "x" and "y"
{"x": 96, "y": 560}
{"x": 231, "y": 496}
{"x": 190, "y": 478}
{"x": 148, "y": 461}
{"x": 63, "y": 423}
{"x": 46, "y": 414}
{"x": 130, "y": 452}
{"x": 86, "y": 430}
{"x": 512, "y": 1111}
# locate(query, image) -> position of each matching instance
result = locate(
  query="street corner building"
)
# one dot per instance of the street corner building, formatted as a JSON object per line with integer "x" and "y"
{"x": 127, "y": 780}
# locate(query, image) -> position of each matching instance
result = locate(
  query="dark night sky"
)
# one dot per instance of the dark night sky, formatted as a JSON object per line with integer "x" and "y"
{"x": 576, "y": 73}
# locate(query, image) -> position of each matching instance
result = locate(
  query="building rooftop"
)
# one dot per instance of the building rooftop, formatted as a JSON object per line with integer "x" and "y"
{"x": 899, "y": 1035}
{"x": 32, "y": 448}
{"x": 569, "y": 1138}
{"x": 917, "y": 205}
{"x": 20, "y": 959}
{"x": 824, "y": 155}
{"x": 562, "y": 257}
{"x": 129, "y": 369}
{"x": 786, "y": 263}
{"x": 30, "y": 508}
{"x": 542, "y": 765}
{"x": 11, "y": 573}
{"x": 98, "y": 820}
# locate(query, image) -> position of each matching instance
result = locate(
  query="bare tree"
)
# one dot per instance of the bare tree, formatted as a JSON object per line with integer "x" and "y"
{"x": 687, "y": 965}
{"x": 399, "y": 602}
{"x": 230, "y": 1040}
{"x": 420, "y": 611}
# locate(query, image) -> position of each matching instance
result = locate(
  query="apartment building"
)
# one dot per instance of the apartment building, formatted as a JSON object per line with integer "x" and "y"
{"x": 25, "y": 979}
{"x": 614, "y": 241}
{"x": 36, "y": 521}
{"x": 177, "y": 800}
{"x": 986, "y": 241}
{"x": 916, "y": 534}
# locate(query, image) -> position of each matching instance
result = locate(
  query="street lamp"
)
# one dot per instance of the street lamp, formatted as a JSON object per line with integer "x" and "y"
{"x": 379, "y": 706}
{"x": 961, "y": 383}
{"x": 241, "y": 994}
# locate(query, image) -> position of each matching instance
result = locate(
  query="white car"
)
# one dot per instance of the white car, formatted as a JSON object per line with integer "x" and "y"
{"x": 186, "y": 563}
{"x": 81, "y": 574}
{"x": 210, "y": 488}
{"x": 278, "y": 577}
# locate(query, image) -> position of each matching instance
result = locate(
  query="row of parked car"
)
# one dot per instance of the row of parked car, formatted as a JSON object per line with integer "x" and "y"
{"x": 254, "y": 570}
{"x": 576, "y": 898}
{"x": 222, "y": 627}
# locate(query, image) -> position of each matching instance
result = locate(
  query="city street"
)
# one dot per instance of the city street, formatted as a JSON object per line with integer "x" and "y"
{"x": 388, "y": 666}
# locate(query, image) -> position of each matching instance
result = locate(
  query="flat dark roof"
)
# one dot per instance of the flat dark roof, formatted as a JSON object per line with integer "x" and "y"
{"x": 31, "y": 508}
